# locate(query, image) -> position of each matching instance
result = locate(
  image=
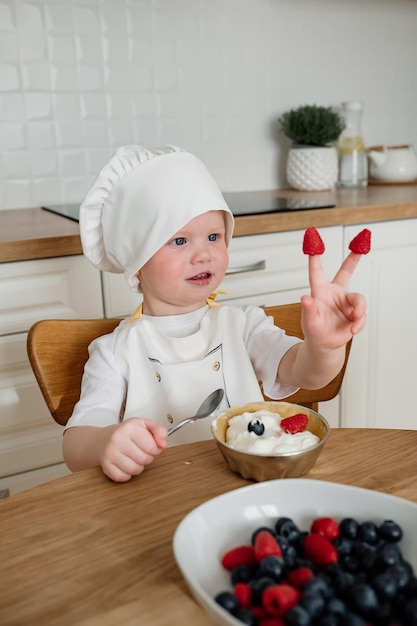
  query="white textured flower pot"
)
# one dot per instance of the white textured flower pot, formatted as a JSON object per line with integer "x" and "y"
{"x": 312, "y": 169}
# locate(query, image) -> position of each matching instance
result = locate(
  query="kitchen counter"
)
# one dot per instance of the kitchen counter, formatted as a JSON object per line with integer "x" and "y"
{"x": 34, "y": 233}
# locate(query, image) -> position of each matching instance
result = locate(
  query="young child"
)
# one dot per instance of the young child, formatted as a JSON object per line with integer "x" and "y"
{"x": 158, "y": 217}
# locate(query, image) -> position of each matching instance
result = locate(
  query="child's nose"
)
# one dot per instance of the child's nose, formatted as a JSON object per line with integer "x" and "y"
{"x": 201, "y": 253}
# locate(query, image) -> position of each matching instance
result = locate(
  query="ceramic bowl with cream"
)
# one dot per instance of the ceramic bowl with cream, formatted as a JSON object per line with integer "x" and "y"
{"x": 255, "y": 445}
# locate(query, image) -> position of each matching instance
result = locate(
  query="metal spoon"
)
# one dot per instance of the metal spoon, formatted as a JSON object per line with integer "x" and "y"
{"x": 208, "y": 406}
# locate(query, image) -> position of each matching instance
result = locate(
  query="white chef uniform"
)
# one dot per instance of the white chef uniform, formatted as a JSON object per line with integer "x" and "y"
{"x": 165, "y": 378}
{"x": 162, "y": 368}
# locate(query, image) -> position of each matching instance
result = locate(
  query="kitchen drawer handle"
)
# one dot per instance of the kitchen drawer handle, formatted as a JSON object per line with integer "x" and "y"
{"x": 258, "y": 265}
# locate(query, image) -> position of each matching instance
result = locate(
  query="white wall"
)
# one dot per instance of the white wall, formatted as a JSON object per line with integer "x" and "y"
{"x": 80, "y": 77}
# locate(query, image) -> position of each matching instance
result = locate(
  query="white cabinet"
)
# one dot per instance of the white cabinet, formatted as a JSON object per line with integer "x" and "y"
{"x": 65, "y": 287}
{"x": 378, "y": 390}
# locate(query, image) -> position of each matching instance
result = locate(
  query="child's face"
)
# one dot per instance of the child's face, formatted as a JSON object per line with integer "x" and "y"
{"x": 182, "y": 274}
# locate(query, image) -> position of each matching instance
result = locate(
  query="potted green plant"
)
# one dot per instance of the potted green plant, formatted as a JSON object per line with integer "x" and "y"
{"x": 312, "y": 163}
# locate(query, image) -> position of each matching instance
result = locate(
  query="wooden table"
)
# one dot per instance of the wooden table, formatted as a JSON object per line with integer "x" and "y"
{"x": 83, "y": 551}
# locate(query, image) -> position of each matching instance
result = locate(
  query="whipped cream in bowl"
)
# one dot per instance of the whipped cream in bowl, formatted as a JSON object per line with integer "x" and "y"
{"x": 269, "y": 440}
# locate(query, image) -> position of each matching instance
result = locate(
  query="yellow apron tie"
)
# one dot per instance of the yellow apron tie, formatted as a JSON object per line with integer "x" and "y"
{"x": 137, "y": 315}
{"x": 211, "y": 299}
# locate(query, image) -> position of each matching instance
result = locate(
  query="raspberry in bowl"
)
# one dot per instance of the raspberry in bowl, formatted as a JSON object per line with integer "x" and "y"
{"x": 269, "y": 440}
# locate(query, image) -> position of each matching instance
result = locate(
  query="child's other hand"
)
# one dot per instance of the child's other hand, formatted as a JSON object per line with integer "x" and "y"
{"x": 126, "y": 449}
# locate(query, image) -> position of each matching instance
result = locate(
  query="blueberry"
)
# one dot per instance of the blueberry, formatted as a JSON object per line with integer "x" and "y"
{"x": 343, "y": 545}
{"x": 348, "y": 528}
{"x": 388, "y": 555}
{"x": 390, "y": 531}
{"x": 351, "y": 619}
{"x": 411, "y": 587}
{"x": 313, "y": 602}
{"x": 299, "y": 541}
{"x": 342, "y": 582}
{"x": 227, "y": 601}
{"x": 410, "y": 612}
{"x": 329, "y": 619}
{"x": 246, "y": 616}
{"x": 258, "y": 586}
{"x": 290, "y": 557}
{"x": 256, "y": 427}
{"x": 365, "y": 554}
{"x": 286, "y": 527}
{"x": 385, "y": 585}
{"x": 402, "y": 572}
{"x": 300, "y": 562}
{"x": 368, "y": 532}
{"x": 241, "y": 574}
{"x": 363, "y": 599}
{"x": 272, "y": 567}
{"x": 297, "y": 616}
{"x": 336, "y": 606}
{"x": 318, "y": 585}
{"x": 349, "y": 562}
{"x": 384, "y": 615}
{"x": 333, "y": 570}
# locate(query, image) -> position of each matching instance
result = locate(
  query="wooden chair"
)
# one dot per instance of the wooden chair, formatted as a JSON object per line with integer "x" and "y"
{"x": 58, "y": 350}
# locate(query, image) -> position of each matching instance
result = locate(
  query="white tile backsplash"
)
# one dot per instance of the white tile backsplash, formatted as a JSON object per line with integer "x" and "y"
{"x": 80, "y": 77}
{"x": 7, "y": 21}
{"x": 38, "y": 106}
{"x": 9, "y": 77}
{"x": 12, "y": 137}
{"x": 29, "y": 16}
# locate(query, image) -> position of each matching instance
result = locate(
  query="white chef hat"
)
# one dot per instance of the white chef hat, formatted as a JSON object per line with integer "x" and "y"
{"x": 139, "y": 200}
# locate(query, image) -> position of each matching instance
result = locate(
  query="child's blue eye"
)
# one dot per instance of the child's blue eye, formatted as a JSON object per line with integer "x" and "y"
{"x": 212, "y": 237}
{"x": 179, "y": 241}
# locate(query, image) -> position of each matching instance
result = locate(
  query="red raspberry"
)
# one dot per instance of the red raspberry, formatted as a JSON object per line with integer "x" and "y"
{"x": 361, "y": 244}
{"x": 271, "y": 621}
{"x": 242, "y": 555}
{"x": 294, "y": 424}
{"x": 319, "y": 550}
{"x": 266, "y": 545}
{"x": 300, "y": 576}
{"x": 279, "y": 599}
{"x": 258, "y": 612}
{"x": 243, "y": 593}
{"x": 326, "y": 526}
{"x": 312, "y": 242}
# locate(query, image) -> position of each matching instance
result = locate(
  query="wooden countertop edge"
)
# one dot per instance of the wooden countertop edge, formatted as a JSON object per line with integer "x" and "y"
{"x": 42, "y": 248}
{"x": 337, "y": 216}
{"x": 30, "y": 234}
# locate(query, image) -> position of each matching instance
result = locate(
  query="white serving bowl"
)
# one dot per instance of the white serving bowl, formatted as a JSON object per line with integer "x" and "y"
{"x": 216, "y": 526}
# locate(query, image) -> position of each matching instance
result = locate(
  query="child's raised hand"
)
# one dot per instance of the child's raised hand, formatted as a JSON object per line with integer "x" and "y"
{"x": 126, "y": 449}
{"x": 331, "y": 315}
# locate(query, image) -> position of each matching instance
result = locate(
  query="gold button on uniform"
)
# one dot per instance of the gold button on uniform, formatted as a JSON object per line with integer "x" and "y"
{"x": 216, "y": 366}
{"x": 170, "y": 418}
{"x": 158, "y": 377}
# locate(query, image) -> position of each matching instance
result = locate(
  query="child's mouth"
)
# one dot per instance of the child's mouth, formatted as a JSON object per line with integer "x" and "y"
{"x": 202, "y": 279}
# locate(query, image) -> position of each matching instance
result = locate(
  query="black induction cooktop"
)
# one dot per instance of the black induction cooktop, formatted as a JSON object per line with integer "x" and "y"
{"x": 257, "y": 203}
{"x": 240, "y": 203}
